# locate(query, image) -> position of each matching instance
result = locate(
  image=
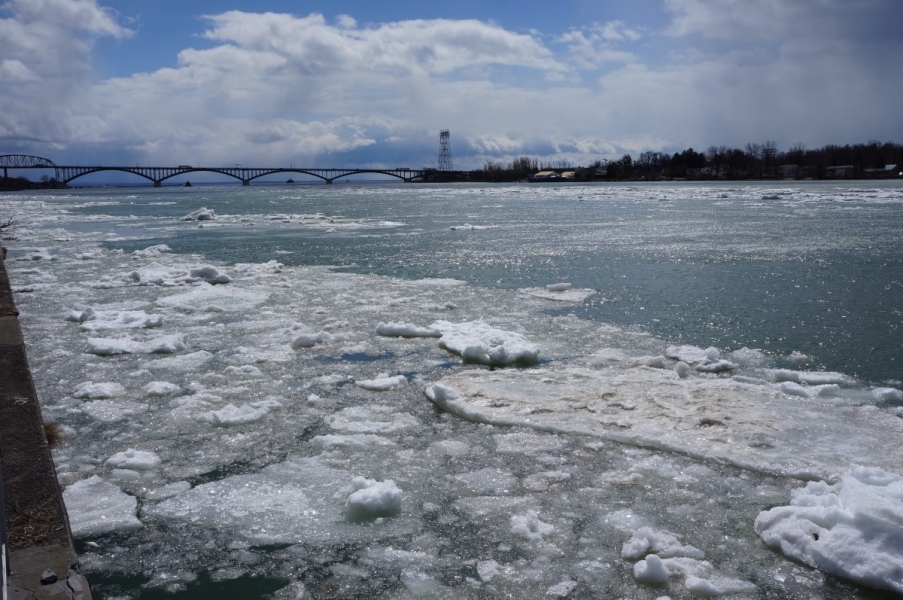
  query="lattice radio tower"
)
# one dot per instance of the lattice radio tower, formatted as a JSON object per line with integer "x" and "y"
{"x": 445, "y": 159}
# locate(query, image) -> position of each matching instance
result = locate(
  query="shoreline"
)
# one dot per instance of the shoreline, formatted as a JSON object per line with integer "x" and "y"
{"x": 42, "y": 558}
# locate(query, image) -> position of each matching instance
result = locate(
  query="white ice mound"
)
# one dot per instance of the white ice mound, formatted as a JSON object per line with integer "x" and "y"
{"x": 382, "y": 382}
{"x": 97, "y": 391}
{"x": 164, "y": 344}
{"x": 231, "y": 415}
{"x": 407, "y": 330}
{"x": 558, "y": 287}
{"x": 651, "y": 570}
{"x": 853, "y": 529}
{"x": 201, "y": 214}
{"x": 370, "y": 499}
{"x": 693, "y": 354}
{"x": 662, "y": 543}
{"x": 134, "y": 459}
{"x": 887, "y": 394}
{"x": 810, "y": 377}
{"x": 478, "y": 342}
{"x": 96, "y": 507}
{"x": 529, "y": 527}
{"x": 159, "y": 389}
{"x": 209, "y": 274}
{"x": 156, "y": 274}
{"x": 105, "y": 321}
{"x": 152, "y": 251}
{"x": 561, "y": 292}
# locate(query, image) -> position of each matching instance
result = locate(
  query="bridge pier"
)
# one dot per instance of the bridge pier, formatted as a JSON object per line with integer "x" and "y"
{"x": 246, "y": 182}
{"x": 158, "y": 183}
{"x": 329, "y": 182}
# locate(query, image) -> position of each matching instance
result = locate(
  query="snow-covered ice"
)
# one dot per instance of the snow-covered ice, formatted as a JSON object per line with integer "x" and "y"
{"x": 853, "y": 529}
{"x": 478, "y": 342}
{"x": 96, "y": 507}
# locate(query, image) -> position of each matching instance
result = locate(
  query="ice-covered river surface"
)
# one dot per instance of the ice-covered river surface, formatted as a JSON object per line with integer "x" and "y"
{"x": 405, "y": 391}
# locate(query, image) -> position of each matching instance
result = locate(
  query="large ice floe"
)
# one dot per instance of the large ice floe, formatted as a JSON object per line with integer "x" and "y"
{"x": 302, "y": 432}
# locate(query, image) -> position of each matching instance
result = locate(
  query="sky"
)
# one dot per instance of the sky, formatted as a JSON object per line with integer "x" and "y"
{"x": 354, "y": 83}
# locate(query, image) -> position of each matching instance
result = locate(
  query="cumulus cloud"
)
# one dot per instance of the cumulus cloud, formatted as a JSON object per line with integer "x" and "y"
{"x": 312, "y": 46}
{"x": 595, "y": 46}
{"x": 53, "y": 37}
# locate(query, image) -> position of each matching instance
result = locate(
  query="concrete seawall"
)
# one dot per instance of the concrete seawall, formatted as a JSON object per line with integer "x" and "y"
{"x": 42, "y": 563}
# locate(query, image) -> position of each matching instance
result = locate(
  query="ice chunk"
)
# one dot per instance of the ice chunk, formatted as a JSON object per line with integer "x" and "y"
{"x": 308, "y": 340}
{"x": 109, "y": 411}
{"x": 656, "y": 362}
{"x": 231, "y": 415}
{"x": 382, "y": 382}
{"x": 112, "y": 347}
{"x": 161, "y": 388}
{"x": 215, "y": 298}
{"x": 185, "y": 362}
{"x": 853, "y": 529}
{"x": 81, "y": 315}
{"x": 407, "y": 330}
{"x": 370, "y": 499}
{"x": 794, "y": 389}
{"x": 662, "y": 543}
{"x": 134, "y": 459}
{"x": 717, "y": 366}
{"x": 488, "y": 481}
{"x": 692, "y": 354}
{"x": 887, "y": 394}
{"x": 371, "y": 419}
{"x": 528, "y": 526}
{"x": 105, "y": 321}
{"x": 558, "y": 287}
{"x": 96, "y": 507}
{"x": 478, "y": 342}
{"x": 487, "y": 569}
{"x": 562, "y": 589}
{"x": 769, "y": 431}
{"x": 250, "y": 370}
{"x": 155, "y": 274}
{"x": 169, "y": 490}
{"x": 356, "y": 441}
{"x": 97, "y": 391}
{"x": 164, "y": 344}
{"x": 651, "y": 570}
{"x": 152, "y": 251}
{"x": 810, "y": 377}
{"x": 201, "y": 214}
{"x": 284, "y": 503}
{"x": 209, "y": 274}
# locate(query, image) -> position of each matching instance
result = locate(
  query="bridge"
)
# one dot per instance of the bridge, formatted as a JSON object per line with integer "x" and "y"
{"x": 63, "y": 175}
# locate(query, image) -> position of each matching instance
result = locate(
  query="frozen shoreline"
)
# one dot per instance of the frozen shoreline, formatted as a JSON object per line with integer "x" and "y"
{"x": 237, "y": 402}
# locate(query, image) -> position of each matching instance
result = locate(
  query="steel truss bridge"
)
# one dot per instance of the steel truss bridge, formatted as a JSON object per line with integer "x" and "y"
{"x": 63, "y": 175}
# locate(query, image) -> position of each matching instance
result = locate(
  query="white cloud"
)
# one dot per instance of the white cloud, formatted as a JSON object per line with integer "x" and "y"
{"x": 439, "y": 46}
{"x": 280, "y": 89}
{"x": 52, "y": 38}
{"x": 594, "y": 47}
{"x": 13, "y": 70}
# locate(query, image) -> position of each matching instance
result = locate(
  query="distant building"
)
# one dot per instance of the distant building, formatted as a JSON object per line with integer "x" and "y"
{"x": 840, "y": 172}
{"x": 886, "y": 172}
{"x": 788, "y": 171}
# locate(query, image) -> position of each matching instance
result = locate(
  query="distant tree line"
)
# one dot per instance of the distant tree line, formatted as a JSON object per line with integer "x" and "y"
{"x": 14, "y": 184}
{"x": 753, "y": 161}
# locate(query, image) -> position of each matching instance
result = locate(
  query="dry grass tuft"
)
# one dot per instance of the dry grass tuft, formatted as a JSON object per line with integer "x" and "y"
{"x": 54, "y": 434}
